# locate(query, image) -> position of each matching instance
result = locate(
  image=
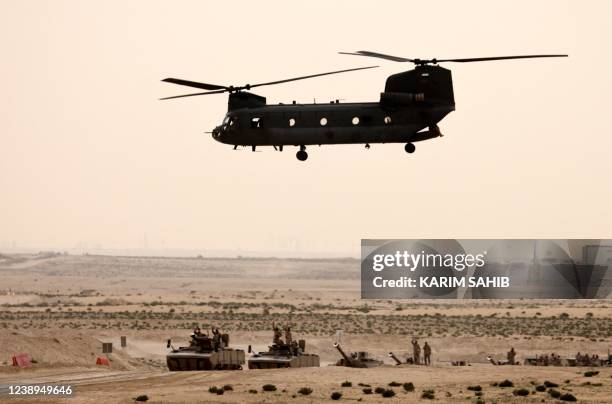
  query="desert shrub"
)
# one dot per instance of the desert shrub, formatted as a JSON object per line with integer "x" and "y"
{"x": 554, "y": 393}
{"x": 478, "y": 393}
{"x": 363, "y": 385}
{"x": 591, "y": 373}
{"x": 220, "y": 392}
{"x": 228, "y": 387}
{"x": 480, "y": 401}
{"x": 408, "y": 386}
{"x": 394, "y": 384}
{"x": 268, "y": 387}
{"x": 142, "y": 397}
{"x": 475, "y": 388}
{"x": 388, "y": 393}
{"x": 305, "y": 391}
{"x": 428, "y": 394}
{"x": 367, "y": 390}
{"x": 567, "y": 397}
{"x": 347, "y": 384}
{"x": 521, "y": 392}
{"x": 541, "y": 387}
{"x": 379, "y": 390}
{"x": 212, "y": 389}
{"x": 252, "y": 391}
{"x": 336, "y": 395}
{"x": 550, "y": 384}
{"x": 506, "y": 383}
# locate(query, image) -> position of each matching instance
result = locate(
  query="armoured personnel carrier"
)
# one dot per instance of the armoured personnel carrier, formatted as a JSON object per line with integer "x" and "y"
{"x": 287, "y": 354}
{"x": 205, "y": 353}
{"x": 359, "y": 359}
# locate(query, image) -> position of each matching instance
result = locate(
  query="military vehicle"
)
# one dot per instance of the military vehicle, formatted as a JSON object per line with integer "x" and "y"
{"x": 409, "y": 360}
{"x": 205, "y": 353}
{"x": 359, "y": 359}
{"x": 283, "y": 355}
{"x": 409, "y": 110}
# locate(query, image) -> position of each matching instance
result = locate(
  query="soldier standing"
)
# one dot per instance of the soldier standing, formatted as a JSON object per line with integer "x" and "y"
{"x": 416, "y": 351}
{"x": 511, "y": 356}
{"x": 427, "y": 353}
{"x": 277, "y": 335}
{"x": 288, "y": 338}
{"x": 216, "y": 339}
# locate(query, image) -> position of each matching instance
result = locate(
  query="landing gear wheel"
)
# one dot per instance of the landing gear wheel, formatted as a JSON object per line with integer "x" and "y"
{"x": 409, "y": 148}
{"x": 301, "y": 155}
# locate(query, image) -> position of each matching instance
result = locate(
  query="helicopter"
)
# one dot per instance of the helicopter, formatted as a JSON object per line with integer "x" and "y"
{"x": 409, "y": 110}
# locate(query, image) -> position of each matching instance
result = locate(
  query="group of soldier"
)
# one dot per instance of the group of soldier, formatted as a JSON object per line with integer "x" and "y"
{"x": 416, "y": 353}
{"x": 586, "y": 360}
{"x": 553, "y": 359}
{"x": 277, "y": 338}
{"x": 288, "y": 342}
{"x": 217, "y": 342}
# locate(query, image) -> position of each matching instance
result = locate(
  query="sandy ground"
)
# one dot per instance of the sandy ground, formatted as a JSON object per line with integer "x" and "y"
{"x": 59, "y": 309}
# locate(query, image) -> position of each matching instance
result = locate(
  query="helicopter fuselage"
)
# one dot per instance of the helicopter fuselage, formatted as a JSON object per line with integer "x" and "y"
{"x": 333, "y": 123}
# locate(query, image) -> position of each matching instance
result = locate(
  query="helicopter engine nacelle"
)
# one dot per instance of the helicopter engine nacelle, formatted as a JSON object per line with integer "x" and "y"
{"x": 393, "y": 99}
{"x": 434, "y": 83}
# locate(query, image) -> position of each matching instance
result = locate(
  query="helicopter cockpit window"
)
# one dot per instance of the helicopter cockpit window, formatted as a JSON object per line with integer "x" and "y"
{"x": 256, "y": 122}
{"x": 225, "y": 120}
{"x": 387, "y": 120}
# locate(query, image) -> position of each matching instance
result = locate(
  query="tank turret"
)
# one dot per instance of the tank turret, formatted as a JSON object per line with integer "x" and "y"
{"x": 284, "y": 355}
{"x": 205, "y": 353}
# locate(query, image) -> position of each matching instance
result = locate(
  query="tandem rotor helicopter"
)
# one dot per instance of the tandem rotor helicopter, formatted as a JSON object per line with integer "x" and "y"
{"x": 409, "y": 110}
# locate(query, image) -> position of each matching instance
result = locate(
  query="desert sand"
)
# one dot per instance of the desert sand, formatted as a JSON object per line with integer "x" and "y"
{"x": 60, "y": 308}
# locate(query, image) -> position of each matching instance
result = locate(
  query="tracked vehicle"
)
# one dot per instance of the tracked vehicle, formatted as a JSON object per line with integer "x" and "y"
{"x": 282, "y": 355}
{"x": 205, "y": 353}
{"x": 358, "y": 359}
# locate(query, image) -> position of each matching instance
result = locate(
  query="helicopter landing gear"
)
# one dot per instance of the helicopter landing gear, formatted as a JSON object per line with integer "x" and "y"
{"x": 367, "y": 146}
{"x": 253, "y": 147}
{"x": 409, "y": 148}
{"x": 235, "y": 146}
{"x": 301, "y": 154}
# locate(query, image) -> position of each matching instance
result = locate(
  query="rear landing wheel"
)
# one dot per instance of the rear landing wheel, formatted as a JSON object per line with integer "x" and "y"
{"x": 409, "y": 148}
{"x": 301, "y": 155}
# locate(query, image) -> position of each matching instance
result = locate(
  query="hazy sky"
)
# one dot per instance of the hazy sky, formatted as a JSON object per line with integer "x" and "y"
{"x": 89, "y": 155}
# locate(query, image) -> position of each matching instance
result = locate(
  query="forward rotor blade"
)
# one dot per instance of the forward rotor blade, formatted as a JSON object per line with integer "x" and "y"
{"x": 194, "y": 94}
{"x": 307, "y": 77}
{"x": 463, "y": 60}
{"x": 378, "y": 55}
{"x": 195, "y": 84}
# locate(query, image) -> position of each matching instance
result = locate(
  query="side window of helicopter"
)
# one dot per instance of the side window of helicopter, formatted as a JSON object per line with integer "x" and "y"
{"x": 233, "y": 121}
{"x": 291, "y": 122}
{"x": 256, "y": 123}
{"x": 387, "y": 120}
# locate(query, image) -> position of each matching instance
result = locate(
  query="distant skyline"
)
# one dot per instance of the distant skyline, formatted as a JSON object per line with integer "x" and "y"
{"x": 89, "y": 156}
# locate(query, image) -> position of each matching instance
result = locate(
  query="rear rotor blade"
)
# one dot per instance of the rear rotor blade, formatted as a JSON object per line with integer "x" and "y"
{"x": 434, "y": 61}
{"x": 194, "y": 94}
{"x": 195, "y": 84}
{"x": 463, "y": 60}
{"x": 307, "y": 77}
